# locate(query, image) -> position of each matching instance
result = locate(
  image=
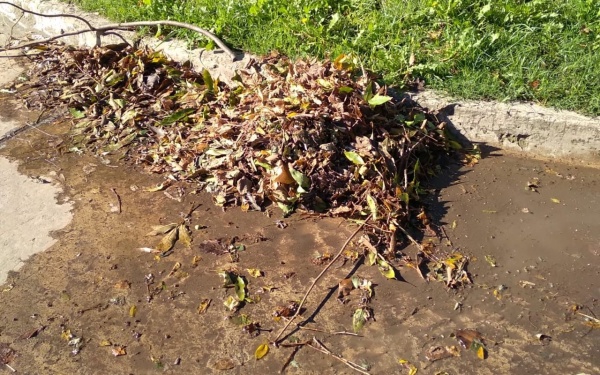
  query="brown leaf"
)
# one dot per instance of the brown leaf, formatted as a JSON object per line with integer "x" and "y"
{"x": 184, "y": 236}
{"x": 466, "y": 337}
{"x": 167, "y": 241}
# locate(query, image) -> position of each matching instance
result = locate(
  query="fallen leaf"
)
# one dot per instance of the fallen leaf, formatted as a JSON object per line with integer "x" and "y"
{"x": 132, "y": 311}
{"x": 184, "y": 235}
{"x": 105, "y": 343}
{"x": 345, "y": 287}
{"x": 231, "y": 303}
{"x": 119, "y": 351}
{"x": 412, "y": 369}
{"x": 223, "y": 364}
{"x": 123, "y": 284}
{"x": 555, "y": 200}
{"x": 204, "y": 305}
{"x": 491, "y": 260}
{"x": 359, "y": 318}
{"x": 168, "y": 241}
{"x": 261, "y": 351}
{"x": 385, "y": 269}
{"x": 354, "y": 157}
{"x": 254, "y": 272}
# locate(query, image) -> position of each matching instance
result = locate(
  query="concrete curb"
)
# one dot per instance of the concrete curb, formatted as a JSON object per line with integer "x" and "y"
{"x": 523, "y": 127}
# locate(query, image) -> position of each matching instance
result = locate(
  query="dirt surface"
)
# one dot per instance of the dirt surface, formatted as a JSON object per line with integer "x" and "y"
{"x": 547, "y": 258}
{"x": 87, "y": 282}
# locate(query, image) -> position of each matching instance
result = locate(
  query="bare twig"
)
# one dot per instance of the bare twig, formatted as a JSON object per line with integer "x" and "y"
{"x": 323, "y": 331}
{"x": 317, "y": 345}
{"x": 49, "y": 15}
{"x": 118, "y": 198}
{"x": 11, "y": 134}
{"x": 102, "y": 30}
{"x": 10, "y": 368}
{"x": 312, "y": 285}
{"x": 418, "y": 245}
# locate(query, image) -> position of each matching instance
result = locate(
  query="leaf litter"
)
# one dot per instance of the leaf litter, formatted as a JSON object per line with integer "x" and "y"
{"x": 323, "y": 138}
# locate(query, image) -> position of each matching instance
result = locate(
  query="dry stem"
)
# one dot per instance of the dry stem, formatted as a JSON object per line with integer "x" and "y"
{"x": 101, "y": 30}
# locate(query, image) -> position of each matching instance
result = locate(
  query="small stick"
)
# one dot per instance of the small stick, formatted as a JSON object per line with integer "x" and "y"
{"x": 323, "y": 331}
{"x": 312, "y": 285}
{"x": 11, "y": 369}
{"x": 418, "y": 245}
{"x": 118, "y": 198}
{"x": 321, "y": 348}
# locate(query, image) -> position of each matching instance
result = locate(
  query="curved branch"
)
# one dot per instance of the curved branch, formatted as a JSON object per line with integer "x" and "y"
{"x": 49, "y": 15}
{"x": 100, "y": 30}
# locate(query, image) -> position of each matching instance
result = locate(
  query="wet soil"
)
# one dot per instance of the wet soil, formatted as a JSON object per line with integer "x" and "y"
{"x": 547, "y": 262}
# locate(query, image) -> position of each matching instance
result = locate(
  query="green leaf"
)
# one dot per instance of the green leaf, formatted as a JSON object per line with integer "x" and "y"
{"x": 180, "y": 115}
{"x": 76, "y": 113}
{"x": 354, "y": 157}
{"x": 301, "y": 179}
{"x": 231, "y": 303}
{"x": 208, "y": 81}
{"x": 379, "y": 100}
{"x": 240, "y": 288}
{"x": 371, "y": 258}
{"x": 385, "y": 269}
{"x": 345, "y": 90}
{"x": 372, "y": 206}
{"x": 359, "y": 318}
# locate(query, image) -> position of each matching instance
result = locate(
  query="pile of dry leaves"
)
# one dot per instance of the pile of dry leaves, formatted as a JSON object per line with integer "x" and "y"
{"x": 321, "y": 137}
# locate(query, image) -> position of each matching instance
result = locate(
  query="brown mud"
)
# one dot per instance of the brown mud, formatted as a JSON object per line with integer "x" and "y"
{"x": 547, "y": 261}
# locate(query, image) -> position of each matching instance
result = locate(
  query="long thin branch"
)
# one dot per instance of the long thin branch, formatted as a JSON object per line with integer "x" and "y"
{"x": 115, "y": 26}
{"x": 312, "y": 285}
{"x": 323, "y": 349}
{"x": 49, "y": 15}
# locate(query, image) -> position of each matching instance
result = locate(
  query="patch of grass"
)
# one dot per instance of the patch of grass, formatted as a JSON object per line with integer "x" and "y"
{"x": 539, "y": 50}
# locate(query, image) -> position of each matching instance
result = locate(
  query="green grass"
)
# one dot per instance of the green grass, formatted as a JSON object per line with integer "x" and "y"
{"x": 545, "y": 51}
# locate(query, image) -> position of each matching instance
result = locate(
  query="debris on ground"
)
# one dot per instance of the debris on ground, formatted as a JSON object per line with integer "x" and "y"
{"x": 322, "y": 137}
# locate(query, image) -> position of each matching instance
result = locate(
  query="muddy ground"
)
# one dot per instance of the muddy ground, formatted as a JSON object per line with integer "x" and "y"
{"x": 547, "y": 258}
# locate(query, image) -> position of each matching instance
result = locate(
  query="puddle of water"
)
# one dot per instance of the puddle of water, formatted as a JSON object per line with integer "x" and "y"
{"x": 29, "y": 213}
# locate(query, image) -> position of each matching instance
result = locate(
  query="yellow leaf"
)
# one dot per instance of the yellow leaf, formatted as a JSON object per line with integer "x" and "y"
{"x": 132, "y": 311}
{"x": 105, "y": 343}
{"x": 481, "y": 352}
{"x": 385, "y": 269}
{"x": 261, "y": 351}
{"x": 204, "y": 305}
{"x": 167, "y": 241}
{"x": 555, "y": 200}
{"x": 254, "y": 272}
{"x": 497, "y": 294}
{"x": 66, "y": 335}
{"x": 412, "y": 369}
{"x": 184, "y": 235}
{"x": 161, "y": 229}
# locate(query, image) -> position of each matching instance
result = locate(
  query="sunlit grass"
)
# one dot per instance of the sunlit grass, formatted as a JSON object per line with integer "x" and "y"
{"x": 539, "y": 50}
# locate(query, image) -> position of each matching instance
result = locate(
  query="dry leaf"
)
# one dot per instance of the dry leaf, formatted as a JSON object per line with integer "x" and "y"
{"x": 105, "y": 343}
{"x": 123, "y": 284}
{"x": 161, "y": 229}
{"x": 132, "y": 311}
{"x": 412, "y": 369}
{"x": 167, "y": 241}
{"x": 254, "y": 272}
{"x": 555, "y": 200}
{"x": 184, "y": 236}
{"x": 118, "y": 351}
{"x": 204, "y": 305}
